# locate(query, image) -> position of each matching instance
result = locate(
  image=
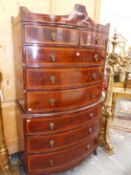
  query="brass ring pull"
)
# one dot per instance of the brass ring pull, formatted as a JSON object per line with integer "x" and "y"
{"x": 90, "y": 130}
{"x": 53, "y": 79}
{"x": 51, "y": 162}
{"x": 96, "y": 57}
{"x": 97, "y": 40}
{"x": 52, "y": 126}
{"x": 51, "y": 143}
{"x": 88, "y": 147}
{"x": 52, "y": 102}
{"x": 53, "y": 36}
{"x": 94, "y": 76}
{"x": 91, "y": 115}
{"x": 93, "y": 96}
{"x": 53, "y": 57}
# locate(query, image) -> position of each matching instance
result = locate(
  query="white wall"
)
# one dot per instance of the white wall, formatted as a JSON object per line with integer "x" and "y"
{"x": 118, "y": 14}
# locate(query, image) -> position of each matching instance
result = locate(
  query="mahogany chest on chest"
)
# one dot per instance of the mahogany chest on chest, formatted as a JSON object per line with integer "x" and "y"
{"x": 59, "y": 62}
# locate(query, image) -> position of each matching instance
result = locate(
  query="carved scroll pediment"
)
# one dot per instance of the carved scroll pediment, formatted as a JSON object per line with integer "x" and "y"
{"x": 78, "y": 17}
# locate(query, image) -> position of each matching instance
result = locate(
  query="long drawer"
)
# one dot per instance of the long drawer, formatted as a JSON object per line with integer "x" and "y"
{"x": 41, "y": 56}
{"x": 39, "y": 78}
{"x": 38, "y": 34}
{"x": 60, "y": 122}
{"x": 42, "y": 164}
{"x": 61, "y": 140}
{"x": 51, "y": 101}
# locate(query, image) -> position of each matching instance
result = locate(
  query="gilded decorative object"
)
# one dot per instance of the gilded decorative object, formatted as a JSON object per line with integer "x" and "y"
{"x": 107, "y": 115}
{"x": 5, "y": 167}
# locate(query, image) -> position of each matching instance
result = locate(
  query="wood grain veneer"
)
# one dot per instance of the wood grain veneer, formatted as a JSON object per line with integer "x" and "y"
{"x": 59, "y": 64}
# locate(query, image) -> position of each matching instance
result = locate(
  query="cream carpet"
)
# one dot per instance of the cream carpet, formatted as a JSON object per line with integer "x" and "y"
{"x": 102, "y": 164}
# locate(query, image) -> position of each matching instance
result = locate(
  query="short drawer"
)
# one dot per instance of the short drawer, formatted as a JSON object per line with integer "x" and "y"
{"x": 95, "y": 39}
{"x": 52, "y": 101}
{"x": 58, "y": 141}
{"x": 60, "y": 122}
{"x": 60, "y": 160}
{"x": 40, "y": 56}
{"x": 39, "y": 78}
{"x": 38, "y": 34}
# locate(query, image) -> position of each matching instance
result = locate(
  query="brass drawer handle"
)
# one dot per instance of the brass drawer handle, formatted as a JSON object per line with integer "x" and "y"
{"x": 91, "y": 115}
{"x": 88, "y": 147}
{"x": 53, "y": 79}
{"x": 52, "y": 126}
{"x": 51, "y": 143}
{"x": 53, "y": 57}
{"x": 93, "y": 96}
{"x": 51, "y": 163}
{"x": 96, "y": 57}
{"x": 52, "y": 102}
{"x": 53, "y": 36}
{"x": 94, "y": 76}
{"x": 97, "y": 40}
{"x": 90, "y": 130}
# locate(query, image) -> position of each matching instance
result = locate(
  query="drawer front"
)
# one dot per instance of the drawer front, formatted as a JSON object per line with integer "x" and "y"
{"x": 48, "y": 163}
{"x": 51, "y": 35}
{"x": 38, "y": 78}
{"x": 40, "y": 55}
{"x": 57, "y": 141}
{"x": 89, "y": 38}
{"x": 59, "y": 123}
{"x": 51, "y": 101}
